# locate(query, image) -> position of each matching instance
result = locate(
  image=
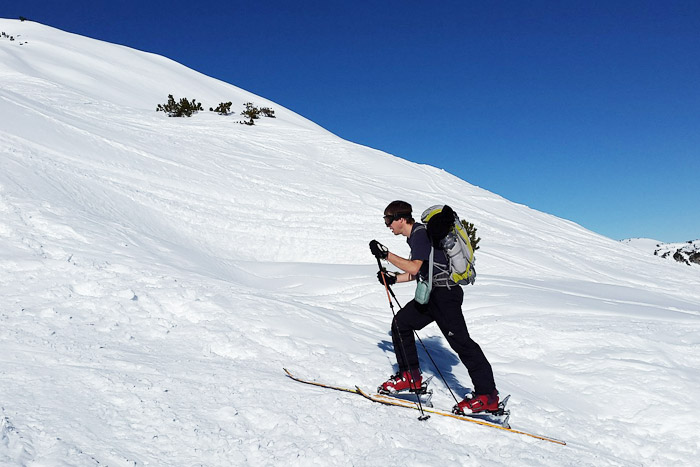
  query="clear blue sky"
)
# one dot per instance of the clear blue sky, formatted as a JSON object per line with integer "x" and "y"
{"x": 589, "y": 110}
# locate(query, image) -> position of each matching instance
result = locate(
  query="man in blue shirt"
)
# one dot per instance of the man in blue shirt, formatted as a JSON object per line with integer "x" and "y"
{"x": 444, "y": 308}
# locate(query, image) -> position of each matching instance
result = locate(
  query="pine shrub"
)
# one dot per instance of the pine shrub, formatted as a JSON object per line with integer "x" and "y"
{"x": 253, "y": 113}
{"x": 471, "y": 231}
{"x": 183, "y": 108}
{"x": 267, "y": 112}
{"x": 224, "y": 108}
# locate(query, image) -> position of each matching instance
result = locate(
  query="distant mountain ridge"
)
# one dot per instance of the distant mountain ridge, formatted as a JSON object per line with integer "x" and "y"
{"x": 684, "y": 252}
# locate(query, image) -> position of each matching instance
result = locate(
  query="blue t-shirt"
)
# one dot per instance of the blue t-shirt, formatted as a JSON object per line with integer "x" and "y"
{"x": 420, "y": 244}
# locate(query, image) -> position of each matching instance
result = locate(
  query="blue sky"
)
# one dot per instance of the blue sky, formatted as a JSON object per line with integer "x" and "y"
{"x": 588, "y": 110}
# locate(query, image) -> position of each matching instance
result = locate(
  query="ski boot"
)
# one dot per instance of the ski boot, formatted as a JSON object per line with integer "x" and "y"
{"x": 403, "y": 381}
{"x": 474, "y": 403}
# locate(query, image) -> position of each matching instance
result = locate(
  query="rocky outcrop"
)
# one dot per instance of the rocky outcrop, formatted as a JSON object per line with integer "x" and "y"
{"x": 687, "y": 253}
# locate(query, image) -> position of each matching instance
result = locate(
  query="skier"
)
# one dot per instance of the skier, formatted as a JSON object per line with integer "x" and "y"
{"x": 444, "y": 307}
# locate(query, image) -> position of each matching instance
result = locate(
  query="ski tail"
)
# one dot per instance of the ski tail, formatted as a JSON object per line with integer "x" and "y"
{"x": 321, "y": 385}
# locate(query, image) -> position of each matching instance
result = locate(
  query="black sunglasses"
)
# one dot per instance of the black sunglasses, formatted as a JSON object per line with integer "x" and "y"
{"x": 389, "y": 218}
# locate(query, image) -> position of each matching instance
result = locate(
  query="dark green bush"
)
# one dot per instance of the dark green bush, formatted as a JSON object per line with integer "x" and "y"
{"x": 471, "y": 231}
{"x": 267, "y": 112}
{"x": 183, "y": 108}
{"x": 224, "y": 108}
{"x": 253, "y": 113}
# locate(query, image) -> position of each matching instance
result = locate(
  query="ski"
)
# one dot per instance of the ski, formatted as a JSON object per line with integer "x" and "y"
{"x": 408, "y": 396}
{"x": 412, "y": 397}
{"x": 491, "y": 419}
{"x": 321, "y": 385}
{"x": 467, "y": 418}
{"x": 393, "y": 401}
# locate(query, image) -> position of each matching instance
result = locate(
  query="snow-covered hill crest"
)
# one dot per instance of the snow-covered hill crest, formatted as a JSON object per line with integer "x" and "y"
{"x": 686, "y": 252}
{"x": 158, "y": 272}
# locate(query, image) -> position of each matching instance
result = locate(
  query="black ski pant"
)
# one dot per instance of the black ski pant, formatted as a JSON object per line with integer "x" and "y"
{"x": 445, "y": 308}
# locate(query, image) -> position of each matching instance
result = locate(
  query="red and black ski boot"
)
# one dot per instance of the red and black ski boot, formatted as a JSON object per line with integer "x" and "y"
{"x": 403, "y": 381}
{"x": 477, "y": 403}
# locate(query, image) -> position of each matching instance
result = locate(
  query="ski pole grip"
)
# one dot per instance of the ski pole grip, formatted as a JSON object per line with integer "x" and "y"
{"x": 386, "y": 286}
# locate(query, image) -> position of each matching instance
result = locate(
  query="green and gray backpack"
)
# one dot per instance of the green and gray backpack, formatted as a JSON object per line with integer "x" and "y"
{"x": 447, "y": 232}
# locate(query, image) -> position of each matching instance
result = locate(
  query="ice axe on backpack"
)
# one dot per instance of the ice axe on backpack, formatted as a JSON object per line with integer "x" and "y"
{"x": 440, "y": 225}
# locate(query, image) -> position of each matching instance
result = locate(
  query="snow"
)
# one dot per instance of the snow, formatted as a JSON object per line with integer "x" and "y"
{"x": 644, "y": 244}
{"x": 157, "y": 273}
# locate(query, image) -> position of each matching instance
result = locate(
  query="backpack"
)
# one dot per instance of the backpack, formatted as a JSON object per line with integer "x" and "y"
{"x": 447, "y": 233}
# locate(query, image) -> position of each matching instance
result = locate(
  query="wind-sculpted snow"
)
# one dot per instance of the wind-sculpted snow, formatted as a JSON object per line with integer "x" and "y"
{"x": 157, "y": 273}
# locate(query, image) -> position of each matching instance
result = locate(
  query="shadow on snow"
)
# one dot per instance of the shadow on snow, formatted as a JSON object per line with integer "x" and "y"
{"x": 445, "y": 359}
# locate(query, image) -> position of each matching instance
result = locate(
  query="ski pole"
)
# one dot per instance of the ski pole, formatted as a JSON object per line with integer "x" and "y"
{"x": 423, "y": 415}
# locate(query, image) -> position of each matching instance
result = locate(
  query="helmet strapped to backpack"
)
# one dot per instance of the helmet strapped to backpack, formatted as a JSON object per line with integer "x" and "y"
{"x": 447, "y": 233}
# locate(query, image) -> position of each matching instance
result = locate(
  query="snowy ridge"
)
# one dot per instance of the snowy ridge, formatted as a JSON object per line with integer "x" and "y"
{"x": 685, "y": 252}
{"x": 158, "y": 273}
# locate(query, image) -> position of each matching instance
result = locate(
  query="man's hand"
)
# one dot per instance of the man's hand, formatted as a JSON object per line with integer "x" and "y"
{"x": 378, "y": 250}
{"x": 390, "y": 277}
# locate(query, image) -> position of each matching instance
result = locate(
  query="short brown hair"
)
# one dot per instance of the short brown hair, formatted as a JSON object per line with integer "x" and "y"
{"x": 401, "y": 209}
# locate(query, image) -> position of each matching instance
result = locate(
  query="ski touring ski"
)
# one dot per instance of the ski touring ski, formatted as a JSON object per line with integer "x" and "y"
{"x": 480, "y": 419}
{"x": 425, "y": 397}
{"x": 322, "y": 385}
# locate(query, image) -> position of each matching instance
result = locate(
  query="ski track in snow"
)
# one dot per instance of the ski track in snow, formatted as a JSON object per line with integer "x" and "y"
{"x": 158, "y": 273}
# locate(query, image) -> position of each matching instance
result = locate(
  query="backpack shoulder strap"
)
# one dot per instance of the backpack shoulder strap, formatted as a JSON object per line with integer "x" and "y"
{"x": 430, "y": 268}
{"x": 430, "y": 262}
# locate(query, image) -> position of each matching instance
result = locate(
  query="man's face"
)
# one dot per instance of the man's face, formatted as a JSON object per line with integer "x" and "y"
{"x": 395, "y": 224}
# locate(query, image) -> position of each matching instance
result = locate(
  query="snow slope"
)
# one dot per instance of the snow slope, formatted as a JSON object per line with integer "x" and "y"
{"x": 157, "y": 273}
